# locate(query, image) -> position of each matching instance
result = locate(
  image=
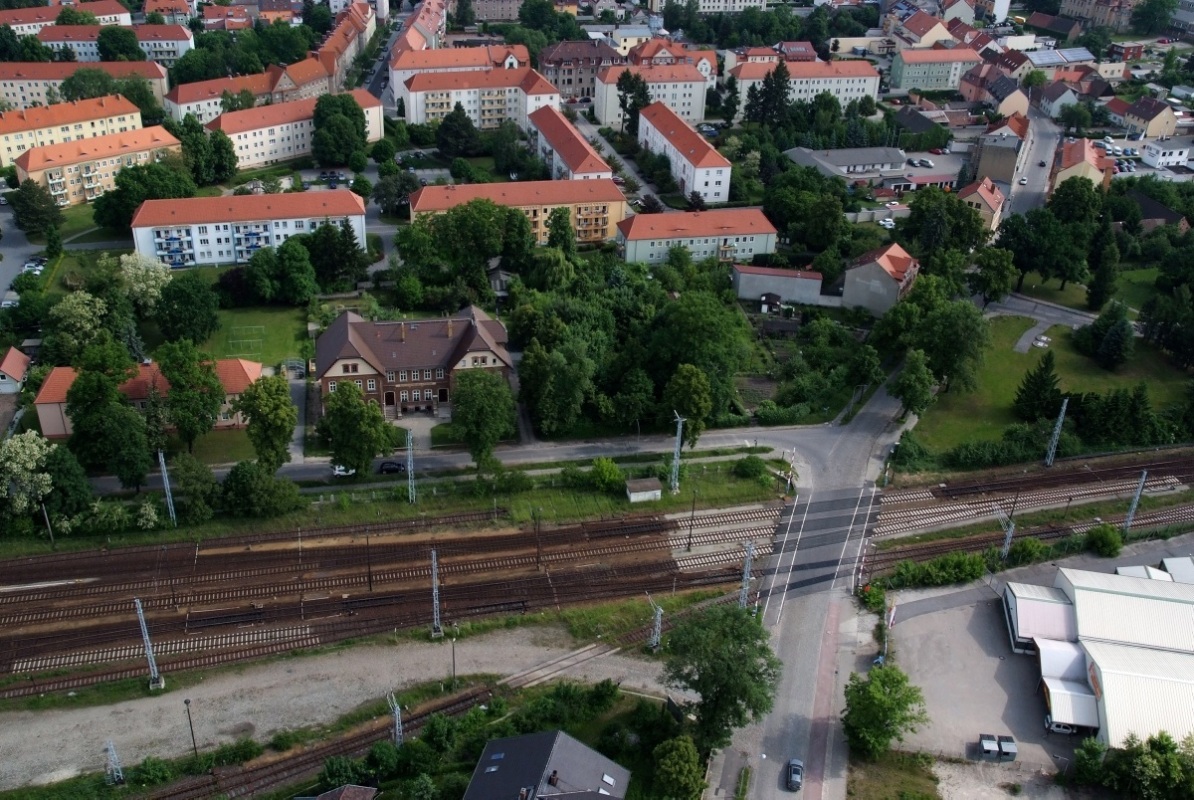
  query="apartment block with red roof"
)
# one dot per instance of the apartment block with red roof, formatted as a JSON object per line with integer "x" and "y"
{"x": 659, "y": 52}
{"x": 716, "y": 6}
{"x": 64, "y": 122}
{"x": 24, "y": 84}
{"x": 207, "y": 231}
{"x": 28, "y": 21}
{"x": 226, "y": 18}
{"x": 80, "y": 171}
{"x": 14, "y": 367}
{"x": 1081, "y": 159}
{"x": 235, "y": 374}
{"x": 696, "y": 164}
{"x": 568, "y": 154}
{"x": 405, "y": 64}
{"x": 879, "y": 279}
{"x": 164, "y": 44}
{"x": 354, "y": 28}
{"x": 845, "y": 80}
{"x": 728, "y": 234}
{"x": 931, "y": 69}
{"x": 303, "y": 79}
{"x": 489, "y": 97}
{"x": 284, "y": 131}
{"x": 987, "y": 199}
{"x": 681, "y": 86}
{"x": 596, "y": 206}
{"x": 175, "y": 12}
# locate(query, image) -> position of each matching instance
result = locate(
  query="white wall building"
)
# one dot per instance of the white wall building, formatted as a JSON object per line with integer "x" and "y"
{"x": 24, "y": 84}
{"x": 845, "y": 80}
{"x": 681, "y": 86}
{"x": 731, "y": 234}
{"x": 489, "y": 97}
{"x": 164, "y": 44}
{"x": 28, "y": 21}
{"x": 64, "y": 122}
{"x": 568, "y": 154}
{"x": 285, "y": 131}
{"x": 406, "y": 64}
{"x": 1169, "y": 153}
{"x": 228, "y": 230}
{"x": 696, "y": 164}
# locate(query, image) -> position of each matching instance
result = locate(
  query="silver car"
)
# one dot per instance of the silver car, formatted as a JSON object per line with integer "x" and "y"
{"x": 794, "y": 779}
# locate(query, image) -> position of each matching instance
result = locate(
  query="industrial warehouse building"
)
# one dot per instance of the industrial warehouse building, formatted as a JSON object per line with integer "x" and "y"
{"x": 1116, "y": 651}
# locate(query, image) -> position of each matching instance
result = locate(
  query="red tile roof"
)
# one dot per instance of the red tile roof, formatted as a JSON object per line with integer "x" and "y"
{"x": 686, "y": 224}
{"x": 187, "y": 93}
{"x": 1017, "y": 122}
{"x": 44, "y": 14}
{"x": 695, "y": 148}
{"x": 519, "y": 194}
{"x": 893, "y": 259}
{"x": 90, "y": 33}
{"x": 113, "y": 144}
{"x": 250, "y": 119}
{"x": 921, "y": 23}
{"x": 935, "y": 56}
{"x": 247, "y": 208}
{"x": 1118, "y": 106}
{"x": 670, "y": 73}
{"x": 167, "y": 6}
{"x": 526, "y": 78}
{"x": 31, "y": 119}
{"x": 987, "y": 191}
{"x": 1074, "y": 153}
{"x": 489, "y": 56}
{"x": 805, "y": 70}
{"x": 235, "y": 375}
{"x": 15, "y": 364}
{"x": 61, "y": 70}
{"x": 568, "y": 143}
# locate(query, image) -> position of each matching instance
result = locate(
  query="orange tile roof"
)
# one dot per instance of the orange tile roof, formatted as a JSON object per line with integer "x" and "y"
{"x": 36, "y": 159}
{"x": 308, "y": 70}
{"x": 61, "y": 70}
{"x": 669, "y": 73}
{"x": 651, "y": 48}
{"x": 235, "y": 375}
{"x": 524, "y": 193}
{"x": 460, "y": 57}
{"x": 188, "y": 93}
{"x": 163, "y": 33}
{"x": 31, "y": 119}
{"x": 90, "y": 33}
{"x": 569, "y": 143}
{"x": 15, "y": 364}
{"x": 167, "y": 6}
{"x": 893, "y": 259}
{"x": 214, "y": 12}
{"x": 1117, "y": 106}
{"x": 931, "y": 55}
{"x": 47, "y": 14}
{"x": 761, "y": 52}
{"x": 685, "y": 224}
{"x": 527, "y": 78}
{"x": 805, "y": 70}
{"x": 987, "y": 191}
{"x": 54, "y": 387}
{"x": 1017, "y": 122}
{"x": 1074, "y": 153}
{"x": 248, "y": 208}
{"x": 279, "y": 113}
{"x": 695, "y": 148}
{"x": 921, "y": 23}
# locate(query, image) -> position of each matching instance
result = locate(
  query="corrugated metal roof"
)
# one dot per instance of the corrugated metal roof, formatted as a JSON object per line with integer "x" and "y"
{"x": 1030, "y": 591}
{"x": 1061, "y": 660}
{"x": 1138, "y": 587}
{"x": 1139, "y": 611}
{"x": 1072, "y": 703}
{"x": 1143, "y": 691}
{"x": 1047, "y": 619}
{"x": 1182, "y": 569}
{"x": 1152, "y": 573}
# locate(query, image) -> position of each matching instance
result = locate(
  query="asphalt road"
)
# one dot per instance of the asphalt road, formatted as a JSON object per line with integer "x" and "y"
{"x": 1044, "y": 136}
{"x": 15, "y": 248}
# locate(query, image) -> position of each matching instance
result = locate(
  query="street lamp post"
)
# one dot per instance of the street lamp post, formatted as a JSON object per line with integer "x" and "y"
{"x": 191, "y": 725}
{"x": 453, "y": 662}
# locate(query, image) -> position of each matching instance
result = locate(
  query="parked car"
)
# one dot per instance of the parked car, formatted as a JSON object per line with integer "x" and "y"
{"x": 1042, "y": 164}
{"x": 887, "y": 224}
{"x": 892, "y": 203}
{"x": 936, "y": 151}
{"x": 332, "y": 184}
{"x": 1058, "y": 727}
{"x": 1024, "y": 181}
{"x": 323, "y": 176}
{"x": 794, "y": 775}
{"x": 391, "y": 467}
{"x": 342, "y": 472}
{"x": 3, "y": 201}
{"x": 925, "y": 162}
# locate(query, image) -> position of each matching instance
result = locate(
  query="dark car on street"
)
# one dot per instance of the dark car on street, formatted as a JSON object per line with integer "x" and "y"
{"x": 794, "y": 778}
{"x": 391, "y": 467}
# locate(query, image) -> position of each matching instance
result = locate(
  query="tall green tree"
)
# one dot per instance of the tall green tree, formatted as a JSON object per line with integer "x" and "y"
{"x": 1151, "y": 16}
{"x": 457, "y": 135}
{"x": 1104, "y": 266}
{"x": 272, "y": 417}
{"x": 33, "y": 208}
{"x": 881, "y": 708}
{"x": 116, "y": 43}
{"x": 188, "y": 309}
{"x": 1039, "y": 394}
{"x": 954, "y": 337}
{"x": 196, "y": 393}
{"x": 198, "y": 487}
{"x": 723, "y": 656}
{"x": 483, "y": 411}
{"x": 941, "y": 221}
{"x": 633, "y": 96}
{"x": 69, "y": 15}
{"x": 136, "y": 184}
{"x": 688, "y": 394}
{"x": 994, "y": 275}
{"x": 678, "y": 771}
{"x": 354, "y": 428}
{"x": 559, "y": 231}
{"x": 913, "y": 387}
{"x": 465, "y": 14}
{"x": 699, "y": 329}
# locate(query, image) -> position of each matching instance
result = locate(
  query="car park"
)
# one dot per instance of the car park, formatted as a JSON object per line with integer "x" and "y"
{"x": 794, "y": 775}
{"x": 391, "y": 467}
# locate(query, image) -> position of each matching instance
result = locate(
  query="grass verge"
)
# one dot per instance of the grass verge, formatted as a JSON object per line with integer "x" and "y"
{"x": 1072, "y": 296}
{"x": 908, "y": 776}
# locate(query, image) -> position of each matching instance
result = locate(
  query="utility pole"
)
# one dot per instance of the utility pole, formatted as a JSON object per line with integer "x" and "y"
{"x": 412, "y": 493}
{"x": 744, "y": 593}
{"x": 536, "y": 515}
{"x": 191, "y": 725}
{"x": 369, "y": 562}
{"x": 691, "y": 521}
{"x": 436, "y": 629}
{"x": 1135, "y": 502}
{"x": 396, "y": 710}
{"x": 1056, "y": 434}
{"x": 674, "y": 483}
{"x": 166, "y": 485}
{"x": 1009, "y": 528}
{"x": 156, "y": 681}
{"x": 114, "y": 774}
{"x": 49, "y": 527}
{"x": 657, "y": 624}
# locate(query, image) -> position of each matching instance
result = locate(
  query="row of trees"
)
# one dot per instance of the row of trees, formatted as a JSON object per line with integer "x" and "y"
{"x": 218, "y": 54}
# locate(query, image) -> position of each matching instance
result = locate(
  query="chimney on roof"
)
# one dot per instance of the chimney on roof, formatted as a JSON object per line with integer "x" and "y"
{"x": 449, "y": 327}
{"x": 402, "y": 328}
{"x": 554, "y": 780}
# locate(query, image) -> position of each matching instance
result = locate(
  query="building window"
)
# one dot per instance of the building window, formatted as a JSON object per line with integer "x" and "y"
{"x": 358, "y": 383}
{"x": 372, "y": 384}
{"x": 415, "y": 395}
{"x": 331, "y": 386}
{"x": 402, "y": 376}
{"x": 389, "y": 376}
{"x": 426, "y": 374}
{"x": 439, "y": 373}
{"x": 403, "y": 397}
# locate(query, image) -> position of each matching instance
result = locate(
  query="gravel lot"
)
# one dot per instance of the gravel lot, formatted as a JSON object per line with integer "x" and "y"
{"x": 42, "y": 747}
{"x": 993, "y": 782}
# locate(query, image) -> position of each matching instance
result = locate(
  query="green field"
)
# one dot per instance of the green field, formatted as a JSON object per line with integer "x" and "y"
{"x": 983, "y": 413}
{"x": 268, "y": 335}
{"x": 222, "y": 447}
{"x": 1074, "y": 295}
{"x": 1136, "y": 287}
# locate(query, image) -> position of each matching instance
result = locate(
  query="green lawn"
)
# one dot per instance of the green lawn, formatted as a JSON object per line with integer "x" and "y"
{"x": 1074, "y": 295}
{"x": 983, "y": 413}
{"x": 221, "y": 447}
{"x": 268, "y": 335}
{"x": 101, "y": 235}
{"x": 893, "y": 775}
{"x": 75, "y": 220}
{"x": 1137, "y": 286}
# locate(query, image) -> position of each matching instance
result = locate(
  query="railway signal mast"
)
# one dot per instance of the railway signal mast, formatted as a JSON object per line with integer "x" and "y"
{"x": 656, "y": 626}
{"x": 156, "y": 681}
{"x": 396, "y": 710}
{"x": 1135, "y": 502}
{"x": 1056, "y": 434}
{"x": 411, "y": 491}
{"x": 437, "y": 630}
{"x": 114, "y": 775}
{"x": 166, "y": 485}
{"x": 744, "y": 593}
{"x": 1009, "y": 528}
{"x": 675, "y": 478}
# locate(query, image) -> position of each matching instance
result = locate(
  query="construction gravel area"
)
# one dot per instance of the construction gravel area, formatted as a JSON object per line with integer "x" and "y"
{"x": 995, "y": 782}
{"x": 259, "y": 700}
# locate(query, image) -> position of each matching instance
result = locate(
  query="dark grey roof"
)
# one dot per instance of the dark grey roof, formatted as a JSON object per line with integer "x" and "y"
{"x": 529, "y": 762}
{"x": 589, "y": 50}
{"x": 1003, "y": 87}
{"x": 1154, "y": 209}
{"x": 913, "y": 120}
{"x": 1148, "y": 108}
{"x": 1055, "y": 91}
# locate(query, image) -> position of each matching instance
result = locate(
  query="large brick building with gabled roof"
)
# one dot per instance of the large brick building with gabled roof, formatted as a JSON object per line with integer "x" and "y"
{"x": 409, "y": 366}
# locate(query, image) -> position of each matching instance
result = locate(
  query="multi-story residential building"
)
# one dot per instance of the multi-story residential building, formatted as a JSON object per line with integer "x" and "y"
{"x": 732, "y": 234}
{"x": 987, "y": 199}
{"x": 624, "y": 38}
{"x": 568, "y": 155}
{"x": 64, "y": 122}
{"x": 796, "y": 51}
{"x": 235, "y": 375}
{"x": 659, "y": 52}
{"x": 426, "y": 27}
{"x": 164, "y": 44}
{"x": 1126, "y": 51}
{"x": 354, "y": 28}
{"x": 596, "y": 206}
{"x": 298, "y": 81}
{"x": 681, "y": 86}
{"x": 879, "y": 279}
{"x": 962, "y": 10}
{"x": 492, "y": 10}
{"x": 202, "y": 231}
{"x": 409, "y": 366}
{"x": 271, "y": 11}
{"x": 716, "y": 6}
{"x": 28, "y": 21}
{"x": 1165, "y": 154}
{"x": 285, "y": 131}
{"x": 1151, "y": 118}
{"x": 489, "y": 97}
{"x": 845, "y": 80}
{"x": 1081, "y": 159}
{"x": 24, "y": 84}
{"x": 80, "y": 171}
{"x": 1113, "y": 14}
{"x": 226, "y": 18}
{"x": 932, "y": 69}
{"x": 992, "y": 10}
{"x": 572, "y": 67}
{"x": 175, "y": 12}
{"x": 1001, "y": 151}
{"x": 696, "y": 164}
{"x": 920, "y": 30}
{"x": 406, "y": 64}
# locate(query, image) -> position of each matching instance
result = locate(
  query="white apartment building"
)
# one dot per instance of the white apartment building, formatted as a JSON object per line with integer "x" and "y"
{"x": 298, "y": 81}
{"x": 715, "y": 6}
{"x": 28, "y": 21}
{"x": 64, "y": 122}
{"x": 681, "y": 86}
{"x": 24, "y": 84}
{"x": 489, "y": 97}
{"x": 696, "y": 164}
{"x": 284, "y": 131}
{"x": 845, "y": 80}
{"x": 228, "y": 230}
{"x": 1169, "y": 153}
{"x": 568, "y": 154}
{"x": 731, "y": 234}
{"x": 408, "y": 63}
{"x": 164, "y": 44}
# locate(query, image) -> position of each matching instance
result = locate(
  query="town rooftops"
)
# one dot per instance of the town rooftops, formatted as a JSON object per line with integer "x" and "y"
{"x": 931, "y": 55}
{"x": 231, "y": 17}
{"x": 1017, "y": 124}
{"x": 550, "y": 764}
{"x": 695, "y": 148}
{"x": 569, "y": 143}
{"x": 1074, "y": 153}
{"x": 526, "y": 78}
{"x": 986, "y": 191}
{"x": 188, "y": 93}
{"x": 689, "y": 224}
{"x": 61, "y": 70}
{"x": 1003, "y": 87}
{"x": 847, "y": 156}
{"x": 921, "y": 23}
{"x": 235, "y": 374}
{"x": 168, "y": 7}
{"x": 665, "y": 73}
{"x": 113, "y": 144}
{"x": 654, "y": 48}
{"x": 797, "y": 49}
{"x": 579, "y": 51}
{"x": 248, "y": 208}
{"x": 516, "y": 195}
{"x": 1117, "y": 106}
{"x": 1055, "y": 91}
{"x": 893, "y": 259}
{"x": 805, "y": 70}
{"x": 249, "y": 119}
{"x": 1153, "y": 209}
{"x": 775, "y": 272}
{"x": 90, "y": 33}
{"x": 15, "y": 364}
{"x": 47, "y": 14}
{"x": 460, "y": 57}
{"x": 1148, "y": 108}
{"x": 31, "y": 119}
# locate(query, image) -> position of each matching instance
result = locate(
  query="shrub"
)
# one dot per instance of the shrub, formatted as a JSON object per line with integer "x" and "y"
{"x": 873, "y": 598}
{"x": 606, "y": 476}
{"x": 752, "y": 468}
{"x": 237, "y": 752}
{"x": 1104, "y": 540}
{"x": 1027, "y": 551}
{"x": 768, "y": 413}
{"x": 152, "y": 772}
{"x": 1088, "y": 762}
{"x": 284, "y": 740}
{"x": 941, "y": 571}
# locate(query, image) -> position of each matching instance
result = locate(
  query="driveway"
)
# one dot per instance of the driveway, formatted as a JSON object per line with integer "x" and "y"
{"x": 15, "y": 248}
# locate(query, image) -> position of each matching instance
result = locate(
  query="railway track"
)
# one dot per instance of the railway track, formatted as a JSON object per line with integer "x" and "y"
{"x": 1180, "y": 468}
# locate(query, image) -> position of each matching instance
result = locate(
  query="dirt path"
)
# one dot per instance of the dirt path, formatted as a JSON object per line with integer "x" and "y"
{"x": 42, "y": 747}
